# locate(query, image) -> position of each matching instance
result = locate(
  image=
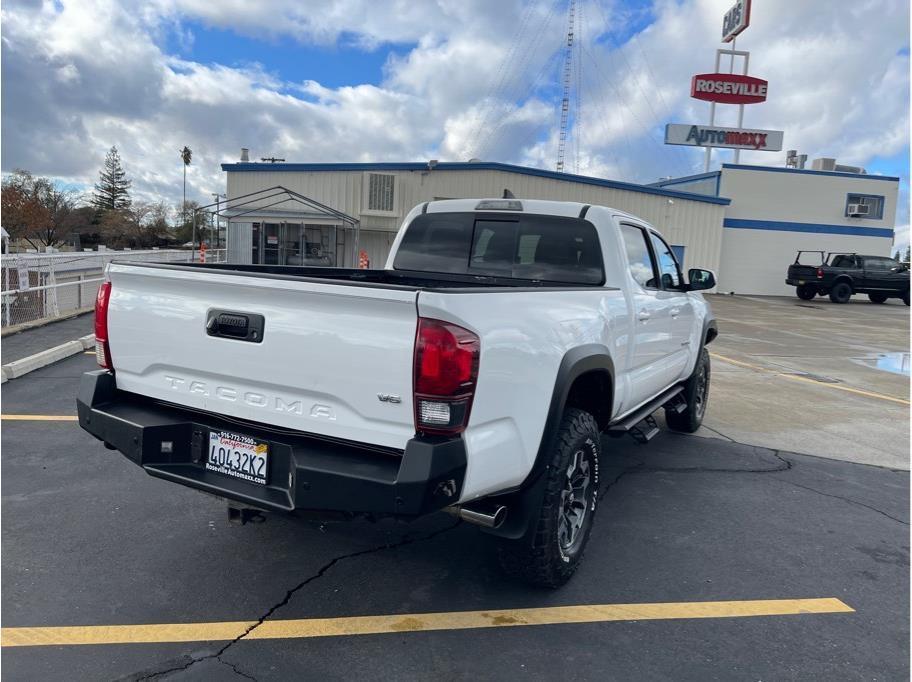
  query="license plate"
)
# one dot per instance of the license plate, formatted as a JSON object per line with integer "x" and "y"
{"x": 800, "y": 281}
{"x": 236, "y": 455}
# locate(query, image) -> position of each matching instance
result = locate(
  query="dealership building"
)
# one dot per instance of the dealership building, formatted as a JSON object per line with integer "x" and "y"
{"x": 744, "y": 222}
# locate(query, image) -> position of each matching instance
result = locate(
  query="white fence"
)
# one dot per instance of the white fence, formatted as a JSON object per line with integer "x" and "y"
{"x": 44, "y": 286}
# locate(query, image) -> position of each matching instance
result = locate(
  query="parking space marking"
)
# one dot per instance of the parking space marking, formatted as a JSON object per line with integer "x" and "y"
{"x": 847, "y": 389}
{"x": 39, "y": 417}
{"x": 411, "y": 622}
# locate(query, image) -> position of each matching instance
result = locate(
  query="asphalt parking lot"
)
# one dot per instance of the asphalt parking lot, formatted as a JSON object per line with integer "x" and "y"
{"x": 728, "y": 555}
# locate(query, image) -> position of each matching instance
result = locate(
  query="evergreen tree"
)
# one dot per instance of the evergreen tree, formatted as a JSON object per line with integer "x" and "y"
{"x": 112, "y": 191}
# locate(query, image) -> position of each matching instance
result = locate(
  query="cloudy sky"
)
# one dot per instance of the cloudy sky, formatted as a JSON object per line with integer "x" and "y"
{"x": 397, "y": 80}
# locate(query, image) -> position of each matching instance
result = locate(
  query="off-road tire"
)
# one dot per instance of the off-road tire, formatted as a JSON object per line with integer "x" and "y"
{"x": 539, "y": 557}
{"x": 690, "y": 419}
{"x": 906, "y": 297}
{"x": 878, "y": 298}
{"x": 806, "y": 292}
{"x": 841, "y": 292}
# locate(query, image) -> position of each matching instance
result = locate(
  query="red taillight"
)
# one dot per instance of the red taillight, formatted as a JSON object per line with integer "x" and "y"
{"x": 819, "y": 273}
{"x": 446, "y": 369}
{"x": 102, "y": 348}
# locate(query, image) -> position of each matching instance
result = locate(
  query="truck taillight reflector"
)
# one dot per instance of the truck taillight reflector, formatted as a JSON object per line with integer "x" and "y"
{"x": 102, "y": 348}
{"x": 445, "y": 372}
{"x": 819, "y": 273}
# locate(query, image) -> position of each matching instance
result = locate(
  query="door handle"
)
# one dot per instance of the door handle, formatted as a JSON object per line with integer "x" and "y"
{"x": 644, "y": 315}
{"x": 675, "y": 312}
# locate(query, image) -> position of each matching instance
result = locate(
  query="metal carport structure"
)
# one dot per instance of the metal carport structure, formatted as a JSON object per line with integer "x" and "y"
{"x": 273, "y": 202}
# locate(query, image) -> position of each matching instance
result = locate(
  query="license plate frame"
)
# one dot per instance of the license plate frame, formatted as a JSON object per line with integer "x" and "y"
{"x": 238, "y": 456}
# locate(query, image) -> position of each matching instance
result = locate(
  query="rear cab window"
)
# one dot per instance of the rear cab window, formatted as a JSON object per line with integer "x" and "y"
{"x": 530, "y": 247}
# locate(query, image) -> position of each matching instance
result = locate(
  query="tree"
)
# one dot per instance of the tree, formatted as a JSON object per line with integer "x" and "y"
{"x": 908, "y": 254}
{"x": 23, "y": 213}
{"x": 112, "y": 191}
{"x": 35, "y": 209}
{"x": 183, "y": 231}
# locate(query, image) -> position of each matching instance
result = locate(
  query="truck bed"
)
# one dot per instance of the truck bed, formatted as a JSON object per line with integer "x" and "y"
{"x": 399, "y": 279}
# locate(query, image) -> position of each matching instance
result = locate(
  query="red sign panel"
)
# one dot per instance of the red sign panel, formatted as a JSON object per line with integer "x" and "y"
{"x": 728, "y": 88}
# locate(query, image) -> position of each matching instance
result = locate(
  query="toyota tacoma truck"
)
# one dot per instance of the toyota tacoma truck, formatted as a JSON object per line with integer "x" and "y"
{"x": 843, "y": 274}
{"x": 474, "y": 374}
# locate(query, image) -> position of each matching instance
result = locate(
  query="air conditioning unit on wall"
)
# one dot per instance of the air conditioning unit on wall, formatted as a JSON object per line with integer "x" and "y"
{"x": 856, "y": 210}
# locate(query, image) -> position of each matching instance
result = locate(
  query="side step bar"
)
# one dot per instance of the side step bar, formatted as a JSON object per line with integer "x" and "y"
{"x": 628, "y": 423}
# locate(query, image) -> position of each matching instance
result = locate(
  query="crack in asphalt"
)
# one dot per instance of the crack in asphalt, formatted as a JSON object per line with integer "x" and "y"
{"x": 235, "y": 669}
{"x": 845, "y": 499}
{"x": 786, "y": 465}
{"x": 407, "y": 540}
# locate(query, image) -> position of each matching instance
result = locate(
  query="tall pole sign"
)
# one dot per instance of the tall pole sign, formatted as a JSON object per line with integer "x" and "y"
{"x": 727, "y": 88}
{"x": 736, "y": 20}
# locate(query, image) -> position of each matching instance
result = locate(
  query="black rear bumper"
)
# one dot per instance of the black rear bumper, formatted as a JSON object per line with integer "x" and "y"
{"x": 305, "y": 473}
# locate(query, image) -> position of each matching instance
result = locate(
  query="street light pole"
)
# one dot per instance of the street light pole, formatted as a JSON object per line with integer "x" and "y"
{"x": 218, "y": 226}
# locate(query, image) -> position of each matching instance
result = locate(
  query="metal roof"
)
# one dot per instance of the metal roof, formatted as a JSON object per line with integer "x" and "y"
{"x": 468, "y": 166}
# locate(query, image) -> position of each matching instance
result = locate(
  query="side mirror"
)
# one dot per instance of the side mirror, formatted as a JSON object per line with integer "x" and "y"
{"x": 700, "y": 280}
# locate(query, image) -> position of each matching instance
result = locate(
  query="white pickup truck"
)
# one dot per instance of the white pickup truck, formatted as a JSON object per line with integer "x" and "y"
{"x": 474, "y": 374}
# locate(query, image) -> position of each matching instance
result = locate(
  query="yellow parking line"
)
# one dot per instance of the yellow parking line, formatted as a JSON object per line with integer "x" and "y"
{"x": 738, "y": 362}
{"x": 794, "y": 377}
{"x": 415, "y": 622}
{"x": 848, "y": 389}
{"x": 39, "y": 417}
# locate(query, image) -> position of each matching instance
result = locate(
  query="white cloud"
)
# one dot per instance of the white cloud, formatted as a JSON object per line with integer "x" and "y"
{"x": 78, "y": 79}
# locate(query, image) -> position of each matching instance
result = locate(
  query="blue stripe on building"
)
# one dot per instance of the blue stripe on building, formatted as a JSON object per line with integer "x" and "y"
{"x": 779, "y": 226}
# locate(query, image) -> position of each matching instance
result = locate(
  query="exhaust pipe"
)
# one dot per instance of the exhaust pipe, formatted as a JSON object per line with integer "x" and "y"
{"x": 489, "y": 516}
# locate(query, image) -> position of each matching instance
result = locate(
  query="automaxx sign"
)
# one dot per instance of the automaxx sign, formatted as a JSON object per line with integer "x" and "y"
{"x": 728, "y": 88}
{"x": 731, "y": 138}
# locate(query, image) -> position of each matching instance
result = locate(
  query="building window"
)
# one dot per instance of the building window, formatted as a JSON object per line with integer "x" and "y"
{"x": 380, "y": 189}
{"x": 869, "y": 206}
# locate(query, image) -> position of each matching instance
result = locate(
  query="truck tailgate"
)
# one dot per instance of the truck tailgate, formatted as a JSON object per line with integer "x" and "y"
{"x": 332, "y": 358}
{"x": 808, "y": 273}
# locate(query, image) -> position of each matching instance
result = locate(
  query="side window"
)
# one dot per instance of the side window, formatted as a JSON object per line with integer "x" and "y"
{"x": 639, "y": 258}
{"x": 668, "y": 266}
{"x": 880, "y": 263}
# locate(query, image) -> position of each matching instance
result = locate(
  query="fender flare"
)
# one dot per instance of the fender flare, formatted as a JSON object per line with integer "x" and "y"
{"x": 524, "y": 502}
{"x": 843, "y": 278}
{"x": 710, "y": 331}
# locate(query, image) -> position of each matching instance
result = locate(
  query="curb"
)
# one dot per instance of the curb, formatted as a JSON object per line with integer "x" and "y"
{"x": 18, "y": 368}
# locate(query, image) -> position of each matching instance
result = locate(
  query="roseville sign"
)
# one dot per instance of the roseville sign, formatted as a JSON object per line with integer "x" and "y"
{"x": 736, "y": 20}
{"x": 731, "y": 138}
{"x": 728, "y": 88}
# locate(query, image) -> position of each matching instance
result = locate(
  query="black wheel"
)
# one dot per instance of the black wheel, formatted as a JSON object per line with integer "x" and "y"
{"x": 806, "y": 292}
{"x": 841, "y": 292}
{"x": 906, "y": 297}
{"x": 553, "y": 547}
{"x": 696, "y": 393}
{"x": 878, "y": 298}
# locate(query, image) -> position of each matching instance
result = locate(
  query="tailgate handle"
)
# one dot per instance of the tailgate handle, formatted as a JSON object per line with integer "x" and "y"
{"x": 239, "y": 326}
